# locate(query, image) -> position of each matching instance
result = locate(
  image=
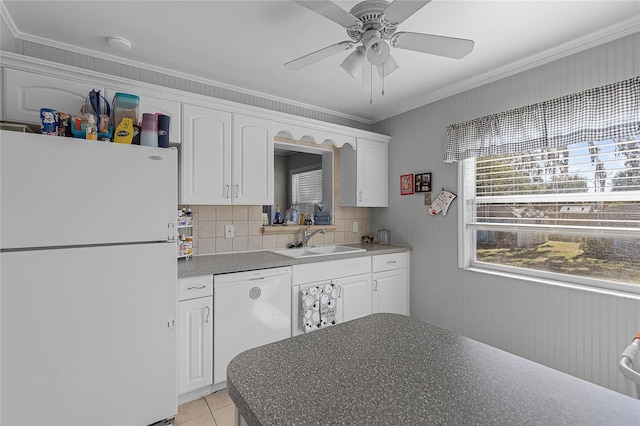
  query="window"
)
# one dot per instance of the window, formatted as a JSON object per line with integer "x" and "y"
{"x": 306, "y": 188}
{"x": 571, "y": 213}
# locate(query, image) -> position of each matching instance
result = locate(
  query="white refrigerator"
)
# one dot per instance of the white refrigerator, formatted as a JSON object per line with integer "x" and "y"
{"x": 87, "y": 282}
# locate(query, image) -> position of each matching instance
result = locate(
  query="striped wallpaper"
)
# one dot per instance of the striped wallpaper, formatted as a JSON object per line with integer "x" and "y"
{"x": 573, "y": 330}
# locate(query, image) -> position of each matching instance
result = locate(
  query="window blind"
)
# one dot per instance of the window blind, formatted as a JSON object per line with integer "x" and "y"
{"x": 306, "y": 189}
{"x": 587, "y": 188}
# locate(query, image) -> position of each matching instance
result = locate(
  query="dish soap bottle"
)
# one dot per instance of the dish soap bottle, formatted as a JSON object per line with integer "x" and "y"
{"x": 277, "y": 219}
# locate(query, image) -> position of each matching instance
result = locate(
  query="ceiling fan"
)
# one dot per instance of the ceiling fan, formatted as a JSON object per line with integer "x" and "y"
{"x": 369, "y": 24}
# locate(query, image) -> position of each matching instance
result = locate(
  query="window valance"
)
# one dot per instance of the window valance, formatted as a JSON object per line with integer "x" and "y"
{"x": 607, "y": 112}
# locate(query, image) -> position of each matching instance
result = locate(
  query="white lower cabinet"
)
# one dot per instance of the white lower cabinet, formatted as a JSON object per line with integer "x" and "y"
{"x": 354, "y": 300}
{"x": 352, "y": 277}
{"x": 366, "y": 285}
{"x": 195, "y": 335}
{"x": 390, "y": 281}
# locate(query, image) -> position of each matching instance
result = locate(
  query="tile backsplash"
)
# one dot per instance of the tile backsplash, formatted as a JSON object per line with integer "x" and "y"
{"x": 209, "y": 223}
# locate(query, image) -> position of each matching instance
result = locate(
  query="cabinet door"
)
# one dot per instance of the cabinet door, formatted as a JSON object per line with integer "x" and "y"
{"x": 205, "y": 156}
{"x": 391, "y": 291}
{"x": 195, "y": 344}
{"x": 252, "y": 182}
{"x": 371, "y": 174}
{"x": 27, "y": 92}
{"x": 355, "y": 297}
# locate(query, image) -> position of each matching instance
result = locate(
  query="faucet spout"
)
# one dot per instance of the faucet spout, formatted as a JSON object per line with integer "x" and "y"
{"x": 306, "y": 236}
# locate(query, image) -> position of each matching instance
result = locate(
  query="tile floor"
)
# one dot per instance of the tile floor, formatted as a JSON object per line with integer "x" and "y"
{"x": 212, "y": 410}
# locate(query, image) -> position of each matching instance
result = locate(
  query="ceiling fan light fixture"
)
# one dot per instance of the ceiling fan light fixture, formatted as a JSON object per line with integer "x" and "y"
{"x": 377, "y": 50}
{"x": 353, "y": 63}
{"x": 386, "y": 68}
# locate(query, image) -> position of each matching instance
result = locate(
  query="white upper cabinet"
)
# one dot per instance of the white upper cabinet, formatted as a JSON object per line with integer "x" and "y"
{"x": 26, "y": 92}
{"x": 205, "y": 156}
{"x": 221, "y": 164}
{"x": 363, "y": 174}
{"x": 252, "y": 160}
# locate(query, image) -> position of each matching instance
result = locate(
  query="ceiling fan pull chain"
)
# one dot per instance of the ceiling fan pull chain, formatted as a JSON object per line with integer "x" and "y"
{"x": 383, "y": 79}
{"x": 370, "y": 84}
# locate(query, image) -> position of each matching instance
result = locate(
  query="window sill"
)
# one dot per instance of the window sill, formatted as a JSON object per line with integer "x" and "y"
{"x": 627, "y": 294}
{"x": 293, "y": 229}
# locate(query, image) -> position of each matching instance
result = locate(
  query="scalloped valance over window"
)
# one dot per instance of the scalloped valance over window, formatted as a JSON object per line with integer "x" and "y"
{"x": 607, "y": 112}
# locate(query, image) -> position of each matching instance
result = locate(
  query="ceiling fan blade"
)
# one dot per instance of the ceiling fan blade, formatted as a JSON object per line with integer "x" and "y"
{"x": 449, "y": 47}
{"x": 333, "y": 12}
{"x": 398, "y": 11}
{"x": 318, "y": 55}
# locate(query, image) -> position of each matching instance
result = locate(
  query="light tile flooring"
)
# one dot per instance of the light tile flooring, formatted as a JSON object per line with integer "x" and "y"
{"x": 212, "y": 410}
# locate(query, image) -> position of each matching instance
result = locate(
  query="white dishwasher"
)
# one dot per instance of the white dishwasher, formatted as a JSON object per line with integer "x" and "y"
{"x": 250, "y": 309}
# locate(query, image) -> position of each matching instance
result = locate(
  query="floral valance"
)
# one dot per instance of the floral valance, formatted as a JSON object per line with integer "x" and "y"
{"x": 608, "y": 112}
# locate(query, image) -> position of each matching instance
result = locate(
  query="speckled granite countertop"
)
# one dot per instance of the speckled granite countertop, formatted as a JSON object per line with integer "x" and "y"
{"x": 388, "y": 369}
{"x": 248, "y": 261}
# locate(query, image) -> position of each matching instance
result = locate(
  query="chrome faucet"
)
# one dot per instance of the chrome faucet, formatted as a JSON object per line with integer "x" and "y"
{"x": 306, "y": 236}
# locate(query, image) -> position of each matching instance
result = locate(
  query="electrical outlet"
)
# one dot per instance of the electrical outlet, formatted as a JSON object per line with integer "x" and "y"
{"x": 354, "y": 227}
{"x": 228, "y": 231}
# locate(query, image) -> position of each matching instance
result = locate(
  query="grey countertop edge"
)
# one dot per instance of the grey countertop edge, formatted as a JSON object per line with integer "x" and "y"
{"x": 225, "y": 263}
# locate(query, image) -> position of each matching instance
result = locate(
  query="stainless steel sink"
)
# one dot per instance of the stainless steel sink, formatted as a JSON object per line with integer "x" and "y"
{"x": 304, "y": 252}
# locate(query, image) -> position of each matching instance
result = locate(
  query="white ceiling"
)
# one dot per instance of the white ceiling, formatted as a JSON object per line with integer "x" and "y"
{"x": 243, "y": 45}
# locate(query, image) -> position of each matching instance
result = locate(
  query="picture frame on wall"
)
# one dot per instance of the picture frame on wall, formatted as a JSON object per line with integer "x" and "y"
{"x": 406, "y": 184}
{"x": 423, "y": 182}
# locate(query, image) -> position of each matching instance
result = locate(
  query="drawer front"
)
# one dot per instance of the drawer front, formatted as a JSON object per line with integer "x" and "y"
{"x": 192, "y": 287}
{"x": 387, "y": 262}
{"x": 330, "y": 269}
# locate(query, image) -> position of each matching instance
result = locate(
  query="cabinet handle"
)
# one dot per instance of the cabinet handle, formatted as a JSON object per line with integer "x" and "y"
{"x": 360, "y": 196}
{"x": 197, "y": 288}
{"x": 375, "y": 288}
{"x": 226, "y": 191}
{"x": 391, "y": 262}
{"x": 208, "y": 312}
{"x": 237, "y": 190}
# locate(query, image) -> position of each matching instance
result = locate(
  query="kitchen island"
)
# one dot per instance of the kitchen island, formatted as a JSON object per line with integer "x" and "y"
{"x": 388, "y": 369}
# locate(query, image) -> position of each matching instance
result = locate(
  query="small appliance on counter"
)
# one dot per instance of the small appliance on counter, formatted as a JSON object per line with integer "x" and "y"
{"x": 384, "y": 236}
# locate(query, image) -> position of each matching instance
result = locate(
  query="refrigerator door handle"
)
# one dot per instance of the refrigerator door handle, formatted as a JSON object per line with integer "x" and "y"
{"x": 171, "y": 232}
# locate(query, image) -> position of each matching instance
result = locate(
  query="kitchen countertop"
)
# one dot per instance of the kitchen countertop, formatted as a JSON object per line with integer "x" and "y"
{"x": 247, "y": 261}
{"x": 390, "y": 369}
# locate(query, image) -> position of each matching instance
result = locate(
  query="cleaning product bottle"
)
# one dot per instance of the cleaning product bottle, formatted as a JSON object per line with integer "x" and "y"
{"x": 92, "y": 128}
{"x": 124, "y": 131}
{"x": 277, "y": 218}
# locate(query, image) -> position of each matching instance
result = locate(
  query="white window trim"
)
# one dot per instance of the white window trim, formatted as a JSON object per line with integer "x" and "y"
{"x": 466, "y": 235}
